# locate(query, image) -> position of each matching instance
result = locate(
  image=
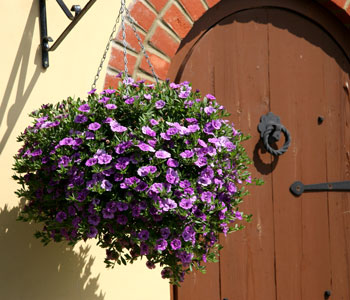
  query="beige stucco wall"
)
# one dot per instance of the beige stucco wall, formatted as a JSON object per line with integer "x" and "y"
{"x": 28, "y": 271}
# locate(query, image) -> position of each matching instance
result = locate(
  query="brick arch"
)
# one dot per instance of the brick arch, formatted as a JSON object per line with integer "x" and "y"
{"x": 162, "y": 24}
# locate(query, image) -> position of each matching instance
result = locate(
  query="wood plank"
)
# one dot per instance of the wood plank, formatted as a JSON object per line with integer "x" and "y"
{"x": 302, "y": 234}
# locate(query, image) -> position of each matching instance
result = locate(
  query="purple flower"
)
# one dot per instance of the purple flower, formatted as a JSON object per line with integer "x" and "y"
{"x": 162, "y": 154}
{"x": 91, "y": 161}
{"x": 63, "y": 161}
{"x": 188, "y": 233}
{"x": 89, "y": 135}
{"x": 116, "y": 127}
{"x": 187, "y": 154}
{"x": 164, "y": 136}
{"x": 165, "y": 232}
{"x": 107, "y": 213}
{"x": 186, "y": 257}
{"x": 141, "y": 186}
{"x": 172, "y": 163}
{"x": 122, "y": 163}
{"x": 209, "y": 110}
{"x": 160, "y": 104}
{"x": 172, "y": 176}
{"x": 143, "y": 171}
{"x": 106, "y": 185}
{"x": 104, "y": 159}
{"x": 122, "y": 206}
{"x": 172, "y": 131}
{"x": 175, "y": 244}
{"x": 193, "y": 128}
{"x": 238, "y": 215}
{"x": 71, "y": 211}
{"x": 122, "y": 220}
{"x": 129, "y": 100}
{"x": 184, "y": 94}
{"x": 80, "y": 119}
{"x": 202, "y": 143}
{"x": 147, "y": 130}
{"x": 147, "y": 96}
{"x": 66, "y": 141}
{"x": 84, "y": 108}
{"x": 92, "y": 232}
{"x": 174, "y": 85}
{"x": 161, "y": 245}
{"x": 61, "y": 216}
{"x": 143, "y": 249}
{"x": 216, "y": 124}
{"x": 192, "y": 120}
{"x": 94, "y": 220}
{"x": 104, "y": 100}
{"x": 206, "y": 196}
{"x": 110, "y": 106}
{"x": 210, "y": 97}
{"x": 154, "y": 122}
{"x": 36, "y": 152}
{"x": 186, "y": 203}
{"x": 143, "y": 235}
{"x": 94, "y": 126}
{"x": 201, "y": 161}
{"x": 145, "y": 147}
{"x": 92, "y": 91}
{"x": 150, "y": 265}
{"x": 185, "y": 184}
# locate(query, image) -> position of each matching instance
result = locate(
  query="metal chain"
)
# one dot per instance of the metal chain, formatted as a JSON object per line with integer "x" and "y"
{"x": 140, "y": 43}
{"x": 97, "y": 76}
{"x": 123, "y": 12}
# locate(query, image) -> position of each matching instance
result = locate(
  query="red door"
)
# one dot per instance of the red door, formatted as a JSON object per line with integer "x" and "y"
{"x": 264, "y": 57}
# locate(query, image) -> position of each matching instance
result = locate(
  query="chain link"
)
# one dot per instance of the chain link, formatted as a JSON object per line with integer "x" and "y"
{"x": 140, "y": 43}
{"x": 97, "y": 76}
{"x": 123, "y": 11}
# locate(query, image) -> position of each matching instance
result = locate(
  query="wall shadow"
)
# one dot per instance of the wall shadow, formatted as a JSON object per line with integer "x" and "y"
{"x": 20, "y": 69}
{"x": 31, "y": 271}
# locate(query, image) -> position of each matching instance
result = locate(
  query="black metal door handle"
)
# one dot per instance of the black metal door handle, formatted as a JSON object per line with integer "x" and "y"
{"x": 270, "y": 129}
{"x": 297, "y": 188}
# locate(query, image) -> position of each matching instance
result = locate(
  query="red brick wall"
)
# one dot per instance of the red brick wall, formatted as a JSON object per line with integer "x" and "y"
{"x": 161, "y": 25}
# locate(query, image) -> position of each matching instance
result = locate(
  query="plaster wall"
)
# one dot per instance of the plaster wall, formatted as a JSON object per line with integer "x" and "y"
{"x": 29, "y": 271}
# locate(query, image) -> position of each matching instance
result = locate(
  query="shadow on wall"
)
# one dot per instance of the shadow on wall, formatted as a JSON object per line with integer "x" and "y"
{"x": 20, "y": 69}
{"x": 28, "y": 270}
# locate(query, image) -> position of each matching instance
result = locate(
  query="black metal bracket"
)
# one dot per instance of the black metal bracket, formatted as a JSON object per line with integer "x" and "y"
{"x": 297, "y": 188}
{"x": 45, "y": 38}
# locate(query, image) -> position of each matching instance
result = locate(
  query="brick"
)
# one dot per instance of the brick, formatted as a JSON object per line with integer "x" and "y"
{"x": 211, "y": 3}
{"x": 340, "y": 3}
{"x": 131, "y": 38}
{"x": 164, "y": 42}
{"x": 158, "y": 4}
{"x": 111, "y": 81}
{"x": 195, "y": 8}
{"x": 143, "y": 15}
{"x": 160, "y": 65}
{"x": 117, "y": 60}
{"x": 177, "y": 21}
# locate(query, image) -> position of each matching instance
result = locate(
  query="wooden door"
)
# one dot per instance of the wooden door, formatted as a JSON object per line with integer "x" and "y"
{"x": 262, "y": 58}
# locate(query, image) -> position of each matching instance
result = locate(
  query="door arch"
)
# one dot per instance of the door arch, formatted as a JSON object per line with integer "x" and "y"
{"x": 291, "y": 58}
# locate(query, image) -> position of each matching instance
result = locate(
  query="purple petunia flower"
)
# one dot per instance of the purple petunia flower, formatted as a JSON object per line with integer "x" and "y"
{"x": 130, "y": 100}
{"x": 172, "y": 131}
{"x": 192, "y": 120}
{"x": 68, "y": 141}
{"x": 154, "y": 122}
{"x": 186, "y": 257}
{"x": 110, "y": 106}
{"x": 201, "y": 161}
{"x": 91, "y": 161}
{"x": 206, "y": 196}
{"x": 147, "y": 130}
{"x": 122, "y": 220}
{"x": 210, "y": 97}
{"x": 185, "y": 184}
{"x": 106, "y": 185}
{"x": 94, "y": 219}
{"x": 145, "y": 147}
{"x": 160, "y": 104}
{"x": 63, "y": 161}
{"x": 165, "y": 232}
{"x": 187, "y": 154}
{"x": 164, "y": 136}
{"x": 162, "y": 154}
{"x": 161, "y": 245}
{"x": 61, "y": 216}
{"x": 144, "y": 250}
{"x": 116, "y": 127}
{"x": 216, "y": 124}
{"x": 36, "y": 152}
{"x": 80, "y": 119}
{"x": 172, "y": 163}
{"x": 104, "y": 100}
{"x": 193, "y": 128}
{"x": 92, "y": 232}
{"x": 186, "y": 203}
{"x": 94, "y": 126}
{"x": 238, "y": 215}
{"x": 172, "y": 176}
{"x": 92, "y": 91}
{"x": 147, "y": 96}
{"x": 89, "y": 135}
{"x": 184, "y": 94}
{"x": 84, "y": 108}
{"x": 122, "y": 206}
{"x": 104, "y": 159}
{"x": 150, "y": 265}
{"x": 143, "y": 235}
{"x": 175, "y": 244}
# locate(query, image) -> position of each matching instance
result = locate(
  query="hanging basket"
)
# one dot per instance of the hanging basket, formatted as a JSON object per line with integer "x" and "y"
{"x": 147, "y": 170}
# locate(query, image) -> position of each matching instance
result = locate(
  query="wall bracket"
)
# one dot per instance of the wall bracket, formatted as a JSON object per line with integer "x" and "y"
{"x": 45, "y": 38}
